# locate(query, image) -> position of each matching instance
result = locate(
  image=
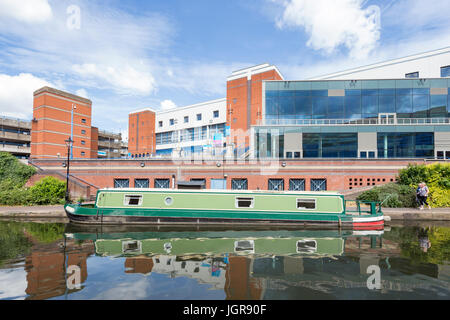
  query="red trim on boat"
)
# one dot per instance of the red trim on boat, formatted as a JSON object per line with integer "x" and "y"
{"x": 372, "y": 225}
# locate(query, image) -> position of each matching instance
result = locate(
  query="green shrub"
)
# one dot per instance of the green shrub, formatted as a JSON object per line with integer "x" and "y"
{"x": 413, "y": 175}
{"x": 12, "y": 170}
{"x": 392, "y": 195}
{"x": 49, "y": 190}
{"x": 437, "y": 178}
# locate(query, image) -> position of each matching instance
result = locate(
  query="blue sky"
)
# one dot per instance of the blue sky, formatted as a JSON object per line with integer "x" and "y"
{"x": 128, "y": 55}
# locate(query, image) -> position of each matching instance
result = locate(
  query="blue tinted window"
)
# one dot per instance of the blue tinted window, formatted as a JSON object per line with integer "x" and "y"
{"x": 319, "y": 107}
{"x": 405, "y": 144}
{"x": 404, "y": 104}
{"x": 303, "y": 93}
{"x": 369, "y": 104}
{"x": 353, "y": 107}
{"x": 286, "y": 106}
{"x": 369, "y": 92}
{"x": 438, "y": 106}
{"x": 330, "y": 145}
{"x": 445, "y": 71}
{"x": 319, "y": 93}
{"x": 403, "y": 91}
{"x": 271, "y": 106}
{"x": 353, "y": 92}
{"x": 387, "y": 104}
{"x": 287, "y": 93}
{"x": 421, "y": 91}
{"x": 412, "y": 75}
{"x": 387, "y": 92}
{"x": 336, "y": 107}
{"x": 271, "y": 93}
{"x": 303, "y": 106}
{"x": 448, "y": 106}
{"x": 420, "y": 106}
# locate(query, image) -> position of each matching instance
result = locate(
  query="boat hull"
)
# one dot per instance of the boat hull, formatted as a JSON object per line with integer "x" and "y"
{"x": 96, "y": 216}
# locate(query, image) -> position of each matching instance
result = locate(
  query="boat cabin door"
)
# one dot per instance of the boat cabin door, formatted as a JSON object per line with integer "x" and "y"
{"x": 101, "y": 200}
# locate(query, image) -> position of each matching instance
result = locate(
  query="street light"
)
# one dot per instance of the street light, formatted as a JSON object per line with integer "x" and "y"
{"x": 69, "y": 144}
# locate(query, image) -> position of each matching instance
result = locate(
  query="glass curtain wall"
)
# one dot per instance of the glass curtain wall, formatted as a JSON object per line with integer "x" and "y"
{"x": 363, "y": 99}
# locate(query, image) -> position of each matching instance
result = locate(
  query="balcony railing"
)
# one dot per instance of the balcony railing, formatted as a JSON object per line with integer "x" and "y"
{"x": 15, "y": 149}
{"x": 352, "y": 122}
{"x": 15, "y": 122}
{"x": 16, "y": 136}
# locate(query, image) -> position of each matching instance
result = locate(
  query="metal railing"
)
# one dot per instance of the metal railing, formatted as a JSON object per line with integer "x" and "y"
{"x": 343, "y": 122}
{"x": 363, "y": 207}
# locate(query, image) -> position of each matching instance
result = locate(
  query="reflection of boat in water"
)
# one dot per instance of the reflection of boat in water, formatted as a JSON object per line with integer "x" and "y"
{"x": 213, "y": 243}
{"x": 212, "y": 207}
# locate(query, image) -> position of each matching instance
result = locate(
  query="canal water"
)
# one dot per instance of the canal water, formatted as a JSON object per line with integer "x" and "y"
{"x": 61, "y": 261}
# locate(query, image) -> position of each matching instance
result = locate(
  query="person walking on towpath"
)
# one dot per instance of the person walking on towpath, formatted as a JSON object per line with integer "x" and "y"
{"x": 422, "y": 195}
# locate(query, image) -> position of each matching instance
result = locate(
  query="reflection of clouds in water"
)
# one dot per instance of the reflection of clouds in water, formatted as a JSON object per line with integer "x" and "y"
{"x": 107, "y": 280}
{"x": 13, "y": 284}
{"x": 135, "y": 290}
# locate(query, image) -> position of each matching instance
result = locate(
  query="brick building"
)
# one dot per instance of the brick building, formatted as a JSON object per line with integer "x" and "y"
{"x": 58, "y": 115}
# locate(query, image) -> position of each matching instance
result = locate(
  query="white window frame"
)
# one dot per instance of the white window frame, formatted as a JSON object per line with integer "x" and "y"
{"x": 312, "y": 250}
{"x": 244, "y": 251}
{"x": 252, "y": 201}
{"x": 126, "y": 200}
{"x": 139, "y": 246}
{"x": 307, "y": 200}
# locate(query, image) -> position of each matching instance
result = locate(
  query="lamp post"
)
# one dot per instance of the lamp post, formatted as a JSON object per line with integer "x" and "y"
{"x": 69, "y": 144}
{"x": 74, "y": 107}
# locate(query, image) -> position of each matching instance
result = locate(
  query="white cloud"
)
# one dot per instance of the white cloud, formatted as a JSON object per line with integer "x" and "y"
{"x": 167, "y": 105}
{"x": 112, "y": 50}
{"x": 123, "y": 79}
{"x": 29, "y": 11}
{"x": 82, "y": 93}
{"x": 332, "y": 24}
{"x": 402, "y": 36}
{"x": 16, "y": 94}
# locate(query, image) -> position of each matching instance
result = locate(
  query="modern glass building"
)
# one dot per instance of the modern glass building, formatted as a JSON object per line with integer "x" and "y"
{"x": 405, "y": 118}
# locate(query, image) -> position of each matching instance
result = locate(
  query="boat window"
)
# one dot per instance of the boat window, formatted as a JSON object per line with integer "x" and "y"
{"x": 245, "y": 202}
{"x": 131, "y": 200}
{"x": 247, "y": 246}
{"x": 168, "y": 201}
{"x": 306, "y": 204}
{"x": 131, "y": 246}
{"x": 306, "y": 246}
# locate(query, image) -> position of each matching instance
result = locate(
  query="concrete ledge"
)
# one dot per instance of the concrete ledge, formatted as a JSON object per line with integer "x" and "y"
{"x": 33, "y": 212}
{"x": 440, "y": 214}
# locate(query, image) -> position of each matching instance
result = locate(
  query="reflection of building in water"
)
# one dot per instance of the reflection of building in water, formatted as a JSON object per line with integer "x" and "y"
{"x": 139, "y": 264}
{"x": 205, "y": 270}
{"x": 372, "y": 244}
{"x": 240, "y": 285}
{"x": 45, "y": 267}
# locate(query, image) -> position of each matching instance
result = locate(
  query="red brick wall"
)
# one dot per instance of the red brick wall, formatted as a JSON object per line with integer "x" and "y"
{"x": 340, "y": 175}
{"x": 141, "y": 133}
{"x": 52, "y": 125}
{"x": 237, "y": 101}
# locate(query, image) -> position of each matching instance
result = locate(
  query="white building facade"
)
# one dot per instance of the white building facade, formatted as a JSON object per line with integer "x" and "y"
{"x": 432, "y": 64}
{"x": 194, "y": 129}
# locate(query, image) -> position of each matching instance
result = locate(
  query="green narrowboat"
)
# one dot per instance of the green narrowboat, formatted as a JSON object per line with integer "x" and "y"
{"x": 215, "y": 207}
